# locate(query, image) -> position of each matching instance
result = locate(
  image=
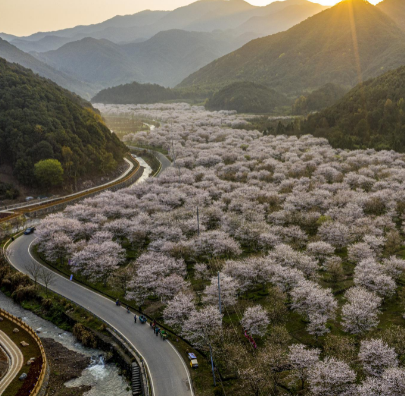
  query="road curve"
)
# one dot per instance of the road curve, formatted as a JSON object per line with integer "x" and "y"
{"x": 170, "y": 375}
{"x": 165, "y": 162}
{"x": 16, "y": 360}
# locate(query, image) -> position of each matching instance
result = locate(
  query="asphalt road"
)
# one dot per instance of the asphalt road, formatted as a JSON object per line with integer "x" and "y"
{"x": 16, "y": 360}
{"x": 170, "y": 376}
{"x": 162, "y": 158}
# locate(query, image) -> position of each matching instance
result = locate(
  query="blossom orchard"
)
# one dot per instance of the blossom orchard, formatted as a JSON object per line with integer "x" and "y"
{"x": 274, "y": 211}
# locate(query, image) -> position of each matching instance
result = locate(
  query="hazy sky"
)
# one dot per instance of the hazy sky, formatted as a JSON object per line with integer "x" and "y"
{"x": 24, "y": 17}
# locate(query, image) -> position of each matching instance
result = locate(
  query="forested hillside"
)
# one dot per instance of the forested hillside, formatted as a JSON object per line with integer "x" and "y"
{"x": 41, "y": 121}
{"x": 319, "y": 99}
{"x": 370, "y": 115}
{"x": 136, "y": 93}
{"x": 246, "y": 97}
{"x": 324, "y": 48}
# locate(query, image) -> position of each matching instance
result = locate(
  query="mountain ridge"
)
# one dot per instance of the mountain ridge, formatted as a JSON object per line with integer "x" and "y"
{"x": 316, "y": 51}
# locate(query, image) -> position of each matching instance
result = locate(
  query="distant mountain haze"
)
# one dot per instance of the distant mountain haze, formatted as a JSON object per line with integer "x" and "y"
{"x": 281, "y": 20}
{"x": 13, "y": 55}
{"x": 315, "y": 52}
{"x": 395, "y": 9}
{"x": 203, "y": 15}
{"x": 94, "y": 61}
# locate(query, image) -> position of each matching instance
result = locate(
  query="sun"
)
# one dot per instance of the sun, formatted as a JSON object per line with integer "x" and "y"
{"x": 323, "y": 2}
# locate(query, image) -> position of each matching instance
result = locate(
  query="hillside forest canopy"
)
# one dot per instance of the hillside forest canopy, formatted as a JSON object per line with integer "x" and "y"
{"x": 371, "y": 115}
{"x": 41, "y": 121}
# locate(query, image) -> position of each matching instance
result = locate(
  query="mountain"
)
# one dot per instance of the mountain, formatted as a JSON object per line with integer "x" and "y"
{"x": 348, "y": 42}
{"x": 48, "y": 43}
{"x": 371, "y": 115}
{"x": 99, "y": 62}
{"x": 14, "y": 55}
{"x": 7, "y": 37}
{"x": 202, "y": 15}
{"x": 165, "y": 59}
{"x": 170, "y": 56}
{"x": 142, "y": 18}
{"x": 39, "y": 120}
{"x": 282, "y": 20}
{"x": 246, "y": 97}
{"x": 395, "y": 9}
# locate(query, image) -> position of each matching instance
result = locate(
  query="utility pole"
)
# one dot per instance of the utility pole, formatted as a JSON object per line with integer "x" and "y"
{"x": 219, "y": 294}
{"x": 212, "y": 366}
{"x": 198, "y": 223}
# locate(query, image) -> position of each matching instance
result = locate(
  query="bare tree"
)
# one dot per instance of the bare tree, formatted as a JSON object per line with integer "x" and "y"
{"x": 34, "y": 269}
{"x": 48, "y": 278}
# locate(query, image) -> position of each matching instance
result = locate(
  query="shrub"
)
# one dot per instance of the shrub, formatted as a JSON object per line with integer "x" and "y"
{"x": 84, "y": 336}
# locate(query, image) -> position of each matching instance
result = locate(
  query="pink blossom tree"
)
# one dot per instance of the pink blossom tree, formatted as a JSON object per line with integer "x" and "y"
{"x": 203, "y": 326}
{"x": 255, "y": 320}
{"x": 229, "y": 290}
{"x": 377, "y": 356}
{"x": 178, "y": 310}
{"x": 302, "y": 360}
{"x": 331, "y": 377}
{"x": 360, "y": 313}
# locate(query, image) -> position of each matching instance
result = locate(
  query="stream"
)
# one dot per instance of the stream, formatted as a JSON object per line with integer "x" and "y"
{"x": 102, "y": 377}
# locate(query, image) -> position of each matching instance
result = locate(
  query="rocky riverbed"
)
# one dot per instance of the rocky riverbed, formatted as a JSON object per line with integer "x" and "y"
{"x": 65, "y": 365}
{"x": 75, "y": 370}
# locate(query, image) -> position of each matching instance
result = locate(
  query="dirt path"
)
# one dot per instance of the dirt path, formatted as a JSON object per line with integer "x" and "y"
{"x": 16, "y": 360}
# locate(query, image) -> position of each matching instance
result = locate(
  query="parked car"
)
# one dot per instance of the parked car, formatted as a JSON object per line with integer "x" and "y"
{"x": 29, "y": 231}
{"x": 193, "y": 360}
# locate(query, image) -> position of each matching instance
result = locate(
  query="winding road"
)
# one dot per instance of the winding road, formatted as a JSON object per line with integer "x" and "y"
{"x": 162, "y": 158}
{"x": 16, "y": 360}
{"x": 170, "y": 375}
{"x": 168, "y": 370}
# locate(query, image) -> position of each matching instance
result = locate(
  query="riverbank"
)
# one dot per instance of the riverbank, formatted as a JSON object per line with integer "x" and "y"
{"x": 65, "y": 365}
{"x": 75, "y": 370}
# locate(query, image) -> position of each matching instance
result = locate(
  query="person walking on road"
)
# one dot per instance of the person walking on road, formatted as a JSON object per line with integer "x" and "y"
{"x": 135, "y": 318}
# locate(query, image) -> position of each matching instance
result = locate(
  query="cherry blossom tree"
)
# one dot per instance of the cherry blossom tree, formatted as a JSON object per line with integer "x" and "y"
{"x": 255, "y": 320}
{"x": 370, "y": 275}
{"x": 321, "y": 250}
{"x": 201, "y": 271}
{"x": 393, "y": 267}
{"x": 377, "y": 356}
{"x": 178, "y": 310}
{"x": 360, "y": 251}
{"x": 335, "y": 233}
{"x": 308, "y": 297}
{"x": 152, "y": 269}
{"x": 229, "y": 289}
{"x": 331, "y": 377}
{"x": 203, "y": 326}
{"x": 360, "y": 313}
{"x": 301, "y": 360}
{"x": 57, "y": 246}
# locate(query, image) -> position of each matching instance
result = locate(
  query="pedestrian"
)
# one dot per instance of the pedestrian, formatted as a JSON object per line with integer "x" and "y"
{"x": 135, "y": 318}
{"x": 157, "y": 331}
